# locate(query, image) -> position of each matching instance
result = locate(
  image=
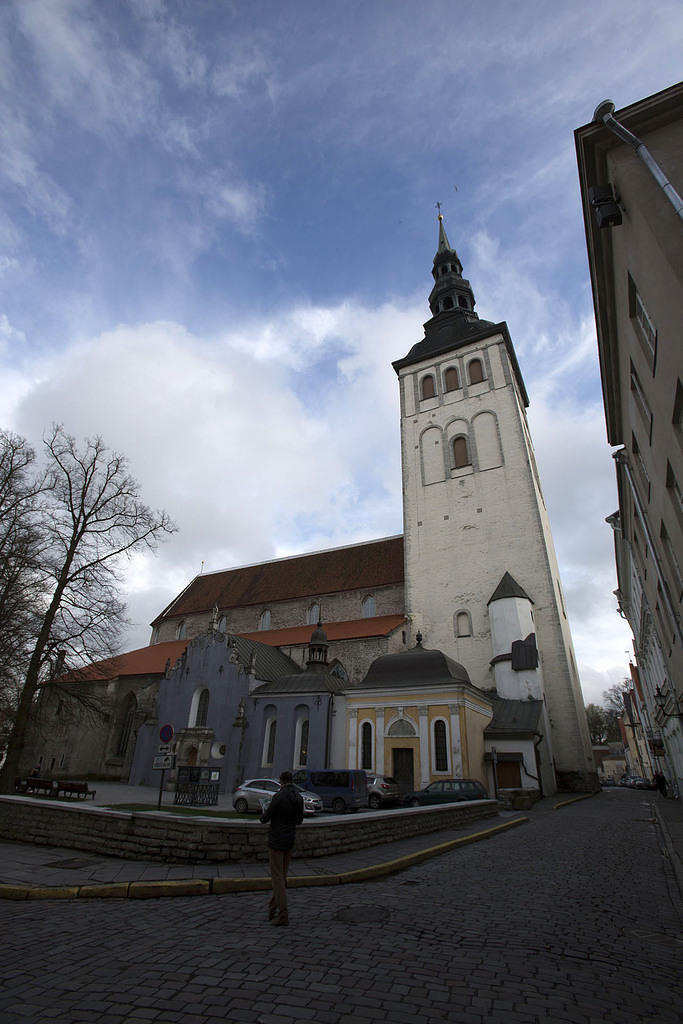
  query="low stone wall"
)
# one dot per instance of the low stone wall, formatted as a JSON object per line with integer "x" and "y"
{"x": 161, "y": 836}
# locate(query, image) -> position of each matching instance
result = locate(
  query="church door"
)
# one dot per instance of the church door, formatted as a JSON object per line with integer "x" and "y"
{"x": 509, "y": 775}
{"x": 403, "y": 769}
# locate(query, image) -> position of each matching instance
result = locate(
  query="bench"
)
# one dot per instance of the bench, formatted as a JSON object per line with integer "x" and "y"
{"x": 36, "y": 785}
{"x": 77, "y": 789}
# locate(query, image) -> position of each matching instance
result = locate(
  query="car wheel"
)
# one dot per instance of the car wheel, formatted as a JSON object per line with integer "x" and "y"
{"x": 241, "y": 806}
{"x": 374, "y": 801}
{"x": 414, "y": 803}
{"x": 338, "y": 806}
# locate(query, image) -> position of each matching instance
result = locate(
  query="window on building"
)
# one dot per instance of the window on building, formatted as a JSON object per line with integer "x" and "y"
{"x": 427, "y": 387}
{"x": 302, "y": 746}
{"x": 366, "y": 746}
{"x": 641, "y": 400}
{"x": 475, "y": 371}
{"x": 644, "y": 327}
{"x": 461, "y": 455}
{"x": 440, "y": 747}
{"x": 674, "y": 491}
{"x": 672, "y": 558}
{"x": 313, "y": 616}
{"x": 264, "y": 619}
{"x": 638, "y": 459}
{"x": 448, "y": 303}
{"x": 677, "y": 418}
{"x": 369, "y": 607}
{"x": 222, "y": 624}
{"x": 463, "y": 624}
{"x": 180, "y": 630}
{"x": 451, "y": 380}
{"x": 269, "y": 741}
{"x": 202, "y": 710}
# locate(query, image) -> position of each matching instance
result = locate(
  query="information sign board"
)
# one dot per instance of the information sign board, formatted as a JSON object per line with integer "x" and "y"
{"x": 163, "y": 761}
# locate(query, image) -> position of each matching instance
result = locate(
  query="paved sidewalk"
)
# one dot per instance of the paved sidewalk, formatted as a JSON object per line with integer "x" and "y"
{"x": 30, "y": 871}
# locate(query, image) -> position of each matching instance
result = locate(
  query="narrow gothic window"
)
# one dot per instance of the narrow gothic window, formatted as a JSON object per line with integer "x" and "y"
{"x": 463, "y": 624}
{"x": 271, "y": 730}
{"x": 303, "y": 744}
{"x": 440, "y": 750}
{"x": 427, "y": 386}
{"x": 264, "y": 621}
{"x": 180, "y": 630}
{"x": 476, "y": 371}
{"x": 202, "y": 710}
{"x": 451, "y": 379}
{"x": 461, "y": 455}
{"x": 313, "y": 614}
{"x": 369, "y": 607}
{"x": 366, "y": 746}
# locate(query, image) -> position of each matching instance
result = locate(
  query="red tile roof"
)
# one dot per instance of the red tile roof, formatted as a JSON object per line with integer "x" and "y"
{"x": 353, "y": 629}
{"x": 145, "y": 661}
{"x": 357, "y": 567}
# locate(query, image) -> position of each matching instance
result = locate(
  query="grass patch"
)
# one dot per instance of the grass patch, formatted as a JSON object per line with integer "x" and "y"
{"x": 203, "y": 812}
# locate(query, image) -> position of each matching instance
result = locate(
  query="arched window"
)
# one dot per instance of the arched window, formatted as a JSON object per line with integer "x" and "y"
{"x": 401, "y": 727}
{"x": 127, "y": 724}
{"x": 451, "y": 380}
{"x": 313, "y": 615}
{"x": 369, "y": 607}
{"x": 463, "y": 626}
{"x": 264, "y": 621}
{"x": 221, "y": 624}
{"x": 448, "y": 302}
{"x": 180, "y": 630}
{"x": 269, "y": 742}
{"x": 461, "y": 455}
{"x": 202, "y": 710}
{"x": 440, "y": 747}
{"x": 476, "y": 371}
{"x": 427, "y": 389}
{"x": 366, "y": 746}
{"x": 302, "y": 747}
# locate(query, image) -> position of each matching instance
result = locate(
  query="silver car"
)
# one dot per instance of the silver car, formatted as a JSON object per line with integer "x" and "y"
{"x": 382, "y": 790}
{"x": 256, "y": 794}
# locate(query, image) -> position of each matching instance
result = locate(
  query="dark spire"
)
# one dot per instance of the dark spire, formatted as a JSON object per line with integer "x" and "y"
{"x": 451, "y": 292}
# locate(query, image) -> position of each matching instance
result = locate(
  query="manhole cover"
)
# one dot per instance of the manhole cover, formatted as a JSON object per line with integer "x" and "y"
{"x": 361, "y": 915}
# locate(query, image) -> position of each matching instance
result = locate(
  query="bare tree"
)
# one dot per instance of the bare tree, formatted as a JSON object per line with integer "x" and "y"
{"x": 597, "y": 723}
{"x": 90, "y": 520}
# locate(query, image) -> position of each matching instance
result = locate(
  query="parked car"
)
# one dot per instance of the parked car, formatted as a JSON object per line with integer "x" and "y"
{"x": 382, "y": 790}
{"x": 640, "y": 783}
{"x": 341, "y": 789}
{"x": 256, "y": 794}
{"x": 447, "y": 791}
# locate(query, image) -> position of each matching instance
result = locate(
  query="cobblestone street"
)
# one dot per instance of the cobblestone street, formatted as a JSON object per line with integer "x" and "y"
{"x": 573, "y": 917}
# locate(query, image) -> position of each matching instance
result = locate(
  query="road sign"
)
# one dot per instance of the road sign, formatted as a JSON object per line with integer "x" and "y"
{"x": 164, "y": 748}
{"x": 163, "y": 761}
{"x": 166, "y": 733}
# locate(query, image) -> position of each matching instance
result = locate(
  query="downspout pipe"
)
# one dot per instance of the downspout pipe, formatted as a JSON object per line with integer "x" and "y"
{"x": 604, "y": 114}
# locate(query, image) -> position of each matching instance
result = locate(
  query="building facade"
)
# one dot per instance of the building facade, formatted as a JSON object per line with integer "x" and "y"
{"x": 631, "y": 176}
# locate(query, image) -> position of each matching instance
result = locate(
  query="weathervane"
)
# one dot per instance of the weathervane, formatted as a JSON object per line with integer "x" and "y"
{"x": 438, "y": 206}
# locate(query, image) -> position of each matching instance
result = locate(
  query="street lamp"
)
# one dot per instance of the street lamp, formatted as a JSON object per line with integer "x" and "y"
{"x": 661, "y": 700}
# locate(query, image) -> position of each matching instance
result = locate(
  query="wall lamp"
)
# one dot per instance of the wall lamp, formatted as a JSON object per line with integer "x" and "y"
{"x": 661, "y": 701}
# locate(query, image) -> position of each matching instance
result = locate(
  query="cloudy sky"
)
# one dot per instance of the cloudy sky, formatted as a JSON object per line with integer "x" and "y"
{"x": 217, "y": 224}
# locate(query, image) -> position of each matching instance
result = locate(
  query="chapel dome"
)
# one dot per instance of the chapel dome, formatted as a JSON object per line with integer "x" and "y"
{"x": 413, "y": 668}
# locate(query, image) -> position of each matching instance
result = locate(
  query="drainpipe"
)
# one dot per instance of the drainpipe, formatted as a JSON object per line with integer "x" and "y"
{"x": 604, "y": 113}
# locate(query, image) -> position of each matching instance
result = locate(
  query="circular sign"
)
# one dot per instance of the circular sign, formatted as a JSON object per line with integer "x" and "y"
{"x": 166, "y": 733}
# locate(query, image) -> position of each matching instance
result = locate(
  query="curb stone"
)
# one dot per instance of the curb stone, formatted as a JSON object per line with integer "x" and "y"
{"x": 219, "y": 886}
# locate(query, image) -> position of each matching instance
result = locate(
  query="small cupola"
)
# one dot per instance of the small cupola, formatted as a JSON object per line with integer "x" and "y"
{"x": 317, "y": 647}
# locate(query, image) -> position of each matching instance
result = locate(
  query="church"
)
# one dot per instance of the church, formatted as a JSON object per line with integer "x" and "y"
{"x": 442, "y": 652}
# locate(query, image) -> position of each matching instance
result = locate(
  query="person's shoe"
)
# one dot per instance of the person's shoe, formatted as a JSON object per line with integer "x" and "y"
{"x": 281, "y": 920}
{"x": 272, "y": 911}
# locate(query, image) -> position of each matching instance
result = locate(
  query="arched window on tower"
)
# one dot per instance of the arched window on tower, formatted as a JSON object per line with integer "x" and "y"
{"x": 463, "y": 624}
{"x": 427, "y": 388}
{"x": 369, "y": 607}
{"x": 475, "y": 371}
{"x": 264, "y": 620}
{"x": 451, "y": 380}
{"x": 461, "y": 455}
{"x": 313, "y": 614}
{"x": 448, "y": 302}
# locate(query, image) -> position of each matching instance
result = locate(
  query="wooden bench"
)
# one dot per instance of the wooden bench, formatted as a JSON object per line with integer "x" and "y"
{"x": 77, "y": 789}
{"x": 36, "y": 785}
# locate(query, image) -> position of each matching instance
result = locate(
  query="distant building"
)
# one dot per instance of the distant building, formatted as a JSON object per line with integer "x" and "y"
{"x": 634, "y": 231}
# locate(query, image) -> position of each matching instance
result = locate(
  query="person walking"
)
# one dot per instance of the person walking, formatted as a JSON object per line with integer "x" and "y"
{"x": 284, "y": 812}
{"x": 660, "y": 783}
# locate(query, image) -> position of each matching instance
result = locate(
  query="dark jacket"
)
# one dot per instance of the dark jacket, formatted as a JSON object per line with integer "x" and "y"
{"x": 284, "y": 812}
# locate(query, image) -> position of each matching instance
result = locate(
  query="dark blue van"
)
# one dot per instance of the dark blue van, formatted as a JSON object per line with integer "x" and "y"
{"x": 340, "y": 789}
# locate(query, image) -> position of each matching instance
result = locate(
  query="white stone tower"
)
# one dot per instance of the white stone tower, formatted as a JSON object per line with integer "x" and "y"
{"x": 473, "y": 511}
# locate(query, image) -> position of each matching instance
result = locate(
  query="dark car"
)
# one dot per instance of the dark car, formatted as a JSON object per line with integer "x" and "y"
{"x": 447, "y": 791}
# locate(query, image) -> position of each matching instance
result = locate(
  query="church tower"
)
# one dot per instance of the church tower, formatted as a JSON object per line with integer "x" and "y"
{"x": 475, "y": 520}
